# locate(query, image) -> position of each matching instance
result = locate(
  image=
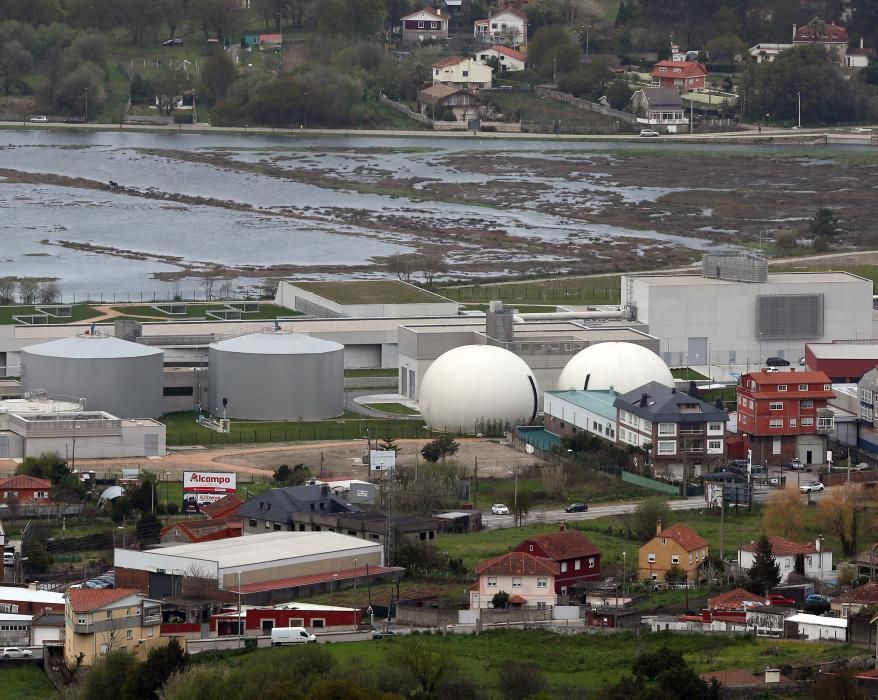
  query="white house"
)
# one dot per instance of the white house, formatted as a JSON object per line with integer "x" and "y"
{"x": 768, "y": 52}
{"x": 529, "y": 581}
{"x": 659, "y": 107}
{"x": 818, "y": 628}
{"x": 507, "y": 27}
{"x": 424, "y": 25}
{"x": 818, "y": 564}
{"x": 462, "y": 72}
{"x": 507, "y": 59}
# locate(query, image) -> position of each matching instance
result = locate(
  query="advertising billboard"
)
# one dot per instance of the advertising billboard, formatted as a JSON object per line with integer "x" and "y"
{"x": 382, "y": 460}
{"x": 201, "y": 488}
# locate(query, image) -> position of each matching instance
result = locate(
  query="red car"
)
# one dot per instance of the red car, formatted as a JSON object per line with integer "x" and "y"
{"x": 777, "y": 599}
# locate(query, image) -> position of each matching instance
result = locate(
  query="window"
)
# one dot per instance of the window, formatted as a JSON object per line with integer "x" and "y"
{"x": 675, "y": 559}
{"x": 803, "y": 387}
{"x": 591, "y": 562}
{"x": 81, "y": 620}
{"x": 530, "y": 548}
{"x": 807, "y": 422}
{"x": 668, "y": 429}
{"x": 776, "y": 406}
{"x": 667, "y": 447}
{"x": 824, "y": 423}
{"x": 267, "y": 525}
{"x": 781, "y": 387}
{"x": 808, "y": 561}
{"x": 715, "y": 446}
{"x": 714, "y": 427}
{"x": 662, "y": 69}
{"x": 690, "y": 557}
{"x": 807, "y": 403}
{"x": 827, "y": 387}
{"x": 650, "y": 557}
{"x": 41, "y": 494}
{"x": 492, "y": 581}
{"x": 434, "y": 25}
{"x": 465, "y": 73}
{"x": 420, "y": 25}
{"x": 109, "y": 614}
{"x": 516, "y": 581}
{"x": 178, "y": 391}
{"x": 866, "y": 395}
{"x": 577, "y": 565}
{"x": 277, "y": 527}
{"x": 129, "y": 634}
{"x": 775, "y": 423}
{"x": 563, "y": 567}
{"x": 252, "y": 522}
{"x": 664, "y": 540}
{"x": 542, "y": 582}
{"x": 317, "y": 622}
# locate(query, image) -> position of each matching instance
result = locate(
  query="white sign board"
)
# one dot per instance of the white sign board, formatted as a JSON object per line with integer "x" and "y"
{"x": 382, "y": 460}
{"x": 210, "y": 482}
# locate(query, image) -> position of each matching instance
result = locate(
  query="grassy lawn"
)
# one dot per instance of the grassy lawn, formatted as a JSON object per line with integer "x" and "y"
{"x": 197, "y": 311}
{"x": 521, "y": 308}
{"x": 79, "y": 313}
{"x": 182, "y": 430}
{"x": 687, "y": 373}
{"x": 544, "y": 111}
{"x": 371, "y": 292}
{"x": 25, "y": 683}
{"x": 383, "y": 372}
{"x": 573, "y": 290}
{"x": 395, "y": 408}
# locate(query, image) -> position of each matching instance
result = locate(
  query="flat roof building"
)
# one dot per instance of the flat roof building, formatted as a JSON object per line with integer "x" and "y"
{"x": 842, "y": 362}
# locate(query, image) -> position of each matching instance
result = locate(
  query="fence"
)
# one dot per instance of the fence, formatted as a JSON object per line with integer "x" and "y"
{"x": 643, "y": 481}
{"x": 401, "y": 108}
{"x": 535, "y": 294}
{"x": 314, "y": 431}
{"x": 610, "y": 113}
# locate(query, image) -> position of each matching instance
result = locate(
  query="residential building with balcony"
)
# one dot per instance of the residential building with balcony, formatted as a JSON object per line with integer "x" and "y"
{"x": 676, "y": 546}
{"x": 103, "y": 620}
{"x": 529, "y": 580}
{"x": 784, "y": 415}
{"x": 506, "y": 27}
{"x": 424, "y": 25}
{"x": 680, "y": 431}
{"x": 577, "y": 557}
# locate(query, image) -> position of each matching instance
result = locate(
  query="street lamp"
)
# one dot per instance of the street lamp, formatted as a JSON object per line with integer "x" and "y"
{"x": 240, "y": 629}
{"x": 799, "y": 96}
{"x": 820, "y": 554}
{"x": 86, "y": 104}
{"x": 354, "y": 605}
{"x": 624, "y": 573}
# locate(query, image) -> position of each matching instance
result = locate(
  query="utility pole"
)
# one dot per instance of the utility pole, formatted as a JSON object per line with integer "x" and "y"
{"x": 240, "y": 630}
{"x": 722, "y": 522}
{"x": 799, "y": 95}
{"x": 515, "y": 495}
{"x": 389, "y": 529}
{"x": 555, "y": 71}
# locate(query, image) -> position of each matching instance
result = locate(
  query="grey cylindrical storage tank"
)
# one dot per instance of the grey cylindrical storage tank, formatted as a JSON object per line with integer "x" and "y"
{"x": 113, "y": 375}
{"x": 276, "y": 376}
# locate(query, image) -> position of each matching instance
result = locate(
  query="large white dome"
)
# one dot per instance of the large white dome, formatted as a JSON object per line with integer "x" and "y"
{"x": 623, "y": 366}
{"x": 474, "y": 386}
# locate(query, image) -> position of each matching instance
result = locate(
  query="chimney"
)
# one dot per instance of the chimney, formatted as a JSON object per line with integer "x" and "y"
{"x": 644, "y": 400}
{"x": 861, "y": 43}
{"x": 693, "y": 390}
{"x": 563, "y": 526}
{"x": 794, "y": 32}
{"x": 674, "y": 390}
{"x": 719, "y": 404}
{"x": 658, "y": 527}
{"x": 324, "y": 490}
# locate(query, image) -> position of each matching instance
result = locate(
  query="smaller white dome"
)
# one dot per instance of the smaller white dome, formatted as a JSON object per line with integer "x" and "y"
{"x": 623, "y": 366}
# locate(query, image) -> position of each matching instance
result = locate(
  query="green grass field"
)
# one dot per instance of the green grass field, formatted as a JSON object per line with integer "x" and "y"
{"x": 25, "y": 683}
{"x": 197, "y": 311}
{"x": 370, "y": 292}
{"x": 383, "y": 372}
{"x": 573, "y": 290}
{"x": 394, "y": 408}
{"x": 80, "y": 312}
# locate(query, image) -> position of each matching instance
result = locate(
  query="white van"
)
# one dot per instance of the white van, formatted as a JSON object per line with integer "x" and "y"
{"x": 291, "y": 635}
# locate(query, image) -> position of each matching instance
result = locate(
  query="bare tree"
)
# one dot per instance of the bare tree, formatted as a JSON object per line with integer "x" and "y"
{"x": 198, "y": 584}
{"x": 402, "y": 265}
{"x": 27, "y": 290}
{"x": 430, "y": 265}
{"x": 783, "y": 512}
{"x": 49, "y": 293}
{"x": 7, "y": 291}
{"x": 209, "y": 279}
{"x": 839, "y": 510}
{"x": 554, "y": 478}
{"x": 225, "y": 290}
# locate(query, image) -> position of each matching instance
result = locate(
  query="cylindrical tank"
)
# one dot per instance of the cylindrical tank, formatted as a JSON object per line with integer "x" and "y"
{"x": 113, "y": 375}
{"x": 478, "y": 388}
{"x": 276, "y": 376}
{"x": 622, "y": 366}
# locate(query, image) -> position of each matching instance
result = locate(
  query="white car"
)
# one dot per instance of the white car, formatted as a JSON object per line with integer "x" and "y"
{"x": 499, "y": 509}
{"x": 39, "y": 119}
{"x": 16, "y": 653}
{"x": 812, "y": 487}
{"x": 648, "y": 133}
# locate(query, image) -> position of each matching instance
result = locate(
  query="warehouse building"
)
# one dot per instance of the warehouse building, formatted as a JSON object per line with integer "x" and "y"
{"x": 362, "y": 299}
{"x": 842, "y": 362}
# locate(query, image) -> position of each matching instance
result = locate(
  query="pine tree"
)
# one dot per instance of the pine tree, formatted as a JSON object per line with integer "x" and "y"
{"x": 765, "y": 572}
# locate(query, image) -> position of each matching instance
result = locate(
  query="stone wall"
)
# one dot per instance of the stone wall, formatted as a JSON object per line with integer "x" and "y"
{"x": 401, "y": 108}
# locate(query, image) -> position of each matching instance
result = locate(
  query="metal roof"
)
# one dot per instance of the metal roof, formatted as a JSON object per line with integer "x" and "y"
{"x": 598, "y": 401}
{"x": 818, "y": 620}
{"x": 91, "y": 347}
{"x": 28, "y": 595}
{"x": 279, "y": 343}
{"x": 844, "y": 351}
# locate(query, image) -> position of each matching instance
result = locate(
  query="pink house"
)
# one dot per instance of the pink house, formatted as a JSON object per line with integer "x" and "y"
{"x": 529, "y": 581}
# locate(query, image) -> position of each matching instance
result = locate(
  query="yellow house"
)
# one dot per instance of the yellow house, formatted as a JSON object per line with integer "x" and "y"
{"x": 99, "y": 621}
{"x": 678, "y": 546}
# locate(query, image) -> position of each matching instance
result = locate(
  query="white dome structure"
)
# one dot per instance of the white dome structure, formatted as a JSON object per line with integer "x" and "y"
{"x": 623, "y": 366}
{"x": 476, "y": 386}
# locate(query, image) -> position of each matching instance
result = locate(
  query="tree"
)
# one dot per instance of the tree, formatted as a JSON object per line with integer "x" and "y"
{"x": 15, "y": 62}
{"x": 786, "y": 239}
{"x": 147, "y": 678}
{"x": 388, "y": 444}
{"x": 27, "y": 290}
{"x": 169, "y": 86}
{"x": 48, "y": 465}
{"x": 519, "y": 680}
{"x": 79, "y": 89}
{"x": 198, "y": 584}
{"x": 837, "y": 511}
{"x": 217, "y": 75}
{"x": 619, "y": 94}
{"x": 764, "y": 574}
{"x": 783, "y": 512}
{"x": 149, "y": 529}
{"x": 427, "y": 668}
{"x": 554, "y": 50}
{"x": 647, "y": 514}
{"x": 500, "y": 601}
{"x": 49, "y": 293}
{"x": 108, "y": 677}
{"x": 824, "y": 223}
{"x": 296, "y": 476}
{"x": 430, "y": 265}
{"x": 7, "y": 291}
{"x": 675, "y": 575}
{"x": 440, "y": 448}
{"x": 725, "y": 47}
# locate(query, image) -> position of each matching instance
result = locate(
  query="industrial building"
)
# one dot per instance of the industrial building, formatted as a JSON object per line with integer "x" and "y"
{"x": 362, "y": 299}
{"x": 108, "y": 373}
{"x": 735, "y": 315}
{"x": 842, "y": 362}
{"x": 276, "y": 376}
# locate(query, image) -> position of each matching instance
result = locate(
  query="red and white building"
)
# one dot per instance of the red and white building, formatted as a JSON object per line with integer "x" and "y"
{"x": 831, "y": 36}
{"x": 26, "y": 489}
{"x": 843, "y": 362}
{"x": 578, "y": 559}
{"x": 529, "y": 580}
{"x": 462, "y": 72}
{"x": 783, "y": 415}
{"x": 681, "y": 75}
{"x": 27, "y": 601}
{"x": 506, "y": 27}
{"x": 816, "y": 561}
{"x": 424, "y": 25}
{"x": 507, "y": 59}
{"x": 261, "y": 620}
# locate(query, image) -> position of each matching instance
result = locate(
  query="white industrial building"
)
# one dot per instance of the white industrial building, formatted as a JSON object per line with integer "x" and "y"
{"x": 735, "y": 315}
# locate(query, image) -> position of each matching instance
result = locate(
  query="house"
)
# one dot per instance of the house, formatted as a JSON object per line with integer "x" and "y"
{"x": 506, "y": 27}
{"x": 768, "y": 620}
{"x": 29, "y": 601}
{"x": 815, "y": 628}
{"x": 659, "y": 107}
{"x": 679, "y": 75}
{"x": 817, "y": 563}
{"x": 767, "y": 52}
{"x": 424, "y": 25}
{"x": 572, "y": 411}
{"x": 784, "y": 415}
{"x": 682, "y": 430}
{"x": 852, "y": 602}
{"x": 102, "y": 620}
{"x": 859, "y": 57}
{"x": 867, "y": 563}
{"x": 25, "y": 489}
{"x": 436, "y": 99}
{"x": 578, "y": 559}
{"x": 260, "y": 620}
{"x": 737, "y": 599}
{"x": 201, "y": 530}
{"x": 528, "y": 579}
{"x": 508, "y": 60}
{"x": 224, "y": 507}
{"x": 462, "y": 72}
{"x": 283, "y": 509}
{"x": 15, "y": 630}
{"x": 831, "y": 36}
{"x": 678, "y": 546}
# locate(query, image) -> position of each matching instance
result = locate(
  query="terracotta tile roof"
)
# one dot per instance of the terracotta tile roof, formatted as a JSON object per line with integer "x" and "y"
{"x": 87, "y": 599}
{"x": 200, "y": 530}
{"x": 789, "y": 377}
{"x": 517, "y": 599}
{"x": 733, "y": 600}
{"x": 518, "y": 563}
{"x": 688, "y": 69}
{"x": 511, "y": 11}
{"x": 738, "y": 676}
{"x": 866, "y": 594}
{"x": 684, "y": 536}
{"x": 23, "y": 481}
{"x": 429, "y": 11}
{"x": 565, "y": 545}
{"x": 512, "y": 53}
{"x": 223, "y": 507}
{"x": 450, "y": 61}
{"x": 311, "y": 579}
{"x": 784, "y": 548}
{"x": 830, "y": 33}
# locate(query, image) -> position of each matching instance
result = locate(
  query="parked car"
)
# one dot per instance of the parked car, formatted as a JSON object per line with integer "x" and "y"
{"x": 648, "y": 133}
{"x": 576, "y": 508}
{"x": 812, "y": 487}
{"x": 777, "y": 599}
{"x": 795, "y": 463}
{"x": 777, "y": 362}
{"x": 816, "y": 598}
{"x": 381, "y": 634}
{"x": 759, "y": 469}
{"x": 39, "y": 119}
{"x": 73, "y": 120}
{"x": 173, "y": 42}
{"x": 16, "y": 653}
{"x": 500, "y": 509}
{"x": 281, "y": 636}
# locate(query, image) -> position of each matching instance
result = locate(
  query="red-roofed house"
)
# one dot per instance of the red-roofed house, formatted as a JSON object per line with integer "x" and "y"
{"x": 507, "y": 59}
{"x": 681, "y": 75}
{"x": 831, "y": 36}
{"x": 785, "y": 552}
{"x": 506, "y": 27}
{"x": 678, "y": 546}
{"x": 737, "y": 599}
{"x": 528, "y": 579}
{"x": 578, "y": 559}
{"x": 856, "y": 599}
{"x": 98, "y": 621}
{"x": 783, "y": 415}
{"x": 424, "y": 25}
{"x": 223, "y": 508}
{"x": 25, "y": 489}
{"x": 201, "y": 530}
{"x": 462, "y": 72}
